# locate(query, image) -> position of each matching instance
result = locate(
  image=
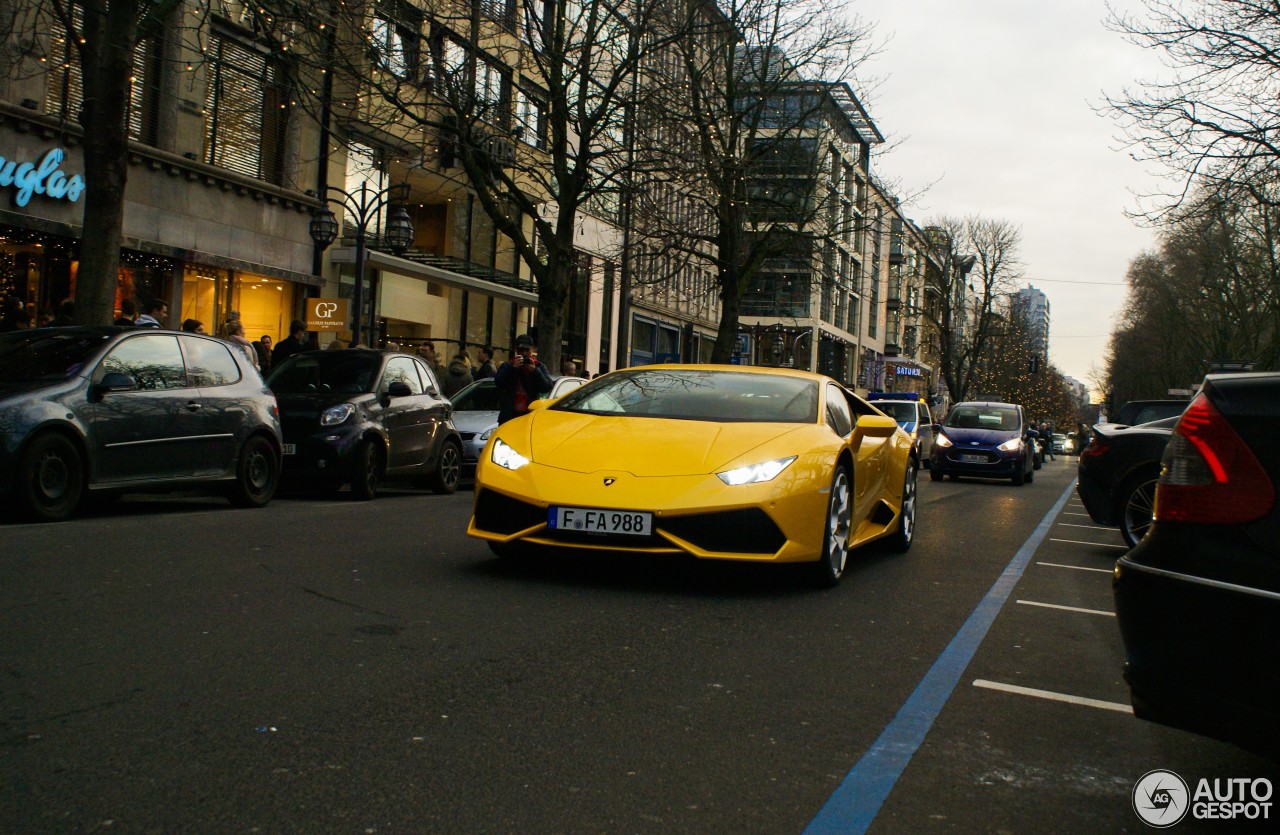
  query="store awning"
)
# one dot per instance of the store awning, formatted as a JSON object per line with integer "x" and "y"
{"x": 410, "y": 266}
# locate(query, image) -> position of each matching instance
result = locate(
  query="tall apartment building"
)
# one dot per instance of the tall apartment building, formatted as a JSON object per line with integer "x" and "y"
{"x": 1034, "y": 306}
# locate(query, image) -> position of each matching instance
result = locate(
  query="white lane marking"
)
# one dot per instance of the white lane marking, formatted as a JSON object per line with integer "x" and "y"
{"x": 1076, "y": 567}
{"x": 1075, "y": 514}
{"x": 1081, "y": 542}
{"x": 1090, "y": 527}
{"x": 1067, "y": 608}
{"x": 1049, "y": 694}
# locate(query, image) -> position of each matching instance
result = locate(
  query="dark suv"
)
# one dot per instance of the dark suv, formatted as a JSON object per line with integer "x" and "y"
{"x": 1198, "y": 599}
{"x": 358, "y": 416}
{"x": 986, "y": 440}
{"x": 125, "y": 409}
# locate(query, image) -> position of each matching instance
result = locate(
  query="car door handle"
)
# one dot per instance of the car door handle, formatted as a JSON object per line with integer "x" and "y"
{"x": 193, "y": 406}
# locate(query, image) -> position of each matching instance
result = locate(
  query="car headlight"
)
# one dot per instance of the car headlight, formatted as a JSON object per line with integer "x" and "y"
{"x": 506, "y": 457}
{"x": 486, "y": 434}
{"x": 1011, "y": 445}
{"x": 756, "y": 473}
{"x": 942, "y": 441}
{"x": 335, "y": 415}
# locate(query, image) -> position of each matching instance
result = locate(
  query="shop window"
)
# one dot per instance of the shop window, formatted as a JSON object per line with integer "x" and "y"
{"x": 246, "y": 111}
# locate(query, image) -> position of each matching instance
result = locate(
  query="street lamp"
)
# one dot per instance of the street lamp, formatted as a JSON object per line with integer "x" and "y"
{"x": 363, "y": 206}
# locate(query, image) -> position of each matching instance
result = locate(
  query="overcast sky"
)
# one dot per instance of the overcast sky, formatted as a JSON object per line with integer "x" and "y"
{"x": 994, "y": 99}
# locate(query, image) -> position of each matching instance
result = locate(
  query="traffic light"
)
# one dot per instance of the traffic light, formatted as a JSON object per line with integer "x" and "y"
{"x": 1035, "y": 365}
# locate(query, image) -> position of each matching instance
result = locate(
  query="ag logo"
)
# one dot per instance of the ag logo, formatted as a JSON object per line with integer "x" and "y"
{"x": 1161, "y": 798}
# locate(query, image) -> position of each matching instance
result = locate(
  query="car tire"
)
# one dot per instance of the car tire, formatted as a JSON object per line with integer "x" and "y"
{"x": 50, "y": 480}
{"x": 368, "y": 468}
{"x": 1137, "y": 498}
{"x": 448, "y": 469}
{"x": 935, "y": 474}
{"x": 1020, "y": 475}
{"x": 906, "y": 533}
{"x": 1031, "y": 476}
{"x": 257, "y": 474}
{"x": 830, "y": 567}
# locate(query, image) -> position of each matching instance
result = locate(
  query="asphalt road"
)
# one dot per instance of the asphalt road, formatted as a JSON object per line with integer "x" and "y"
{"x": 322, "y": 665}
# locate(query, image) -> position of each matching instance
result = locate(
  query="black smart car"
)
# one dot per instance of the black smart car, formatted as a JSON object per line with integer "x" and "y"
{"x": 1198, "y": 599}
{"x": 113, "y": 409}
{"x": 358, "y": 416}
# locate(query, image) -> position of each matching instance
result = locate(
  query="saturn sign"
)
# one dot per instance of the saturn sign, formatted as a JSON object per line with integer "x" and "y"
{"x": 327, "y": 315}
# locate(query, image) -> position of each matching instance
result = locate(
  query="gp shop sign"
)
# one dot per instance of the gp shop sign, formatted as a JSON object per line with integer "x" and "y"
{"x": 44, "y": 176}
{"x": 327, "y": 314}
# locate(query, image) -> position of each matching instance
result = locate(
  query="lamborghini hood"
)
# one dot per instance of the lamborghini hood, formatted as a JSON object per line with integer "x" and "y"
{"x": 644, "y": 447}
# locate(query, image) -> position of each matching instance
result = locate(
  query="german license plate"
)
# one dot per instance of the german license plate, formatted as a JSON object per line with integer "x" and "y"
{"x": 595, "y": 520}
{"x": 973, "y": 459}
{"x": 289, "y": 449}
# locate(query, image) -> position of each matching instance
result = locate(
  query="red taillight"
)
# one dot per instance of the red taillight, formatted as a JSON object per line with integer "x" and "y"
{"x": 1210, "y": 475}
{"x": 1093, "y": 448}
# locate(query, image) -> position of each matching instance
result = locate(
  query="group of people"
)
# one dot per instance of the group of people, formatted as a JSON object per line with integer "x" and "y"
{"x": 459, "y": 372}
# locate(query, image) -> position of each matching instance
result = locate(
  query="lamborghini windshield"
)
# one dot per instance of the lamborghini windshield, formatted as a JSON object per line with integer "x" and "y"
{"x": 690, "y": 394}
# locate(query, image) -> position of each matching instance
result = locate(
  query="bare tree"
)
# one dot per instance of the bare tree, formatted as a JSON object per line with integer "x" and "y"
{"x": 1215, "y": 118}
{"x": 975, "y": 265}
{"x": 729, "y": 143}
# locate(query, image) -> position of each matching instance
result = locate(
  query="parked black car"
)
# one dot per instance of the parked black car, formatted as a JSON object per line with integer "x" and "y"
{"x": 117, "y": 409}
{"x": 1138, "y": 412}
{"x": 359, "y": 416}
{"x": 1198, "y": 599}
{"x": 1117, "y": 475}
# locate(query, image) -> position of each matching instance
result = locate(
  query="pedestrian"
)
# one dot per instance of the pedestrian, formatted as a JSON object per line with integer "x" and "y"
{"x": 157, "y": 311}
{"x": 295, "y": 343}
{"x": 13, "y": 314}
{"x": 263, "y": 349}
{"x": 568, "y": 368}
{"x": 1046, "y": 435}
{"x": 128, "y": 312}
{"x": 193, "y": 326}
{"x": 486, "y": 368}
{"x": 520, "y": 380}
{"x": 66, "y": 314}
{"x": 224, "y": 330}
{"x": 235, "y": 335}
{"x": 458, "y": 375}
{"x": 337, "y": 345}
{"x": 427, "y": 350}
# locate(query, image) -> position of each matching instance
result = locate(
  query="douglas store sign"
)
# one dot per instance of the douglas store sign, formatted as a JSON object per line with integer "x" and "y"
{"x": 42, "y": 177}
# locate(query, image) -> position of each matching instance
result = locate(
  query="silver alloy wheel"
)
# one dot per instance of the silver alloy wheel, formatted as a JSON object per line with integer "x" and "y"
{"x": 1138, "y": 512}
{"x": 839, "y": 514}
{"x": 909, "y": 505}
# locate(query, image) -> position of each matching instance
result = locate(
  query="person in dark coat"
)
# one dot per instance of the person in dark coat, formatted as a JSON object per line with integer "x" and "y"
{"x": 520, "y": 380}
{"x": 458, "y": 375}
{"x": 295, "y": 343}
{"x": 13, "y": 314}
{"x": 128, "y": 312}
{"x": 486, "y": 369}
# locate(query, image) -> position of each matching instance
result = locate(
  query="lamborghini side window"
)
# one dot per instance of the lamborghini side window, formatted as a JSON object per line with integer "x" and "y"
{"x": 838, "y": 416}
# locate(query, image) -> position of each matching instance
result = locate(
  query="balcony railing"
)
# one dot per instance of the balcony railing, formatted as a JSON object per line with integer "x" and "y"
{"x": 454, "y": 265}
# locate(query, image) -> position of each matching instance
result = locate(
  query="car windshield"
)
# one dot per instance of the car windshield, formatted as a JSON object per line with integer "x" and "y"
{"x": 350, "y": 372}
{"x": 983, "y": 417}
{"x": 478, "y": 397}
{"x": 687, "y": 394}
{"x": 901, "y": 412}
{"x": 47, "y": 354}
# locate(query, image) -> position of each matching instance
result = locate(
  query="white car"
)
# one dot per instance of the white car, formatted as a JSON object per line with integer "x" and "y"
{"x": 475, "y": 414}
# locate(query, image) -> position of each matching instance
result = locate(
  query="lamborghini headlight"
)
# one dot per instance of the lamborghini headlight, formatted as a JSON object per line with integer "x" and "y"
{"x": 506, "y": 457}
{"x": 756, "y": 473}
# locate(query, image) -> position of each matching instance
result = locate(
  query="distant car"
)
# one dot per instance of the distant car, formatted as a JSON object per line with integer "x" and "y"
{"x": 1138, "y": 412}
{"x": 1061, "y": 444}
{"x": 914, "y": 418}
{"x": 359, "y": 416}
{"x": 475, "y": 414}
{"x": 984, "y": 440}
{"x": 1117, "y": 475}
{"x": 1198, "y": 599}
{"x": 111, "y": 410}
{"x": 717, "y": 462}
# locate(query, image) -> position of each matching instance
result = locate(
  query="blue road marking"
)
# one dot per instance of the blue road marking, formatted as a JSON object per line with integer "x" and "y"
{"x": 857, "y": 800}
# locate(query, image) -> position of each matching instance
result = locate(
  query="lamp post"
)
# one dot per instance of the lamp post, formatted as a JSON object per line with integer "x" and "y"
{"x": 363, "y": 206}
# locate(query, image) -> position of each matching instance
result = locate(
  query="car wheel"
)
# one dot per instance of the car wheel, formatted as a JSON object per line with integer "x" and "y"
{"x": 256, "y": 475}
{"x": 1020, "y": 475}
{"x": 835, "y": 539}
{"x": 1137, "y": 500}
{"x": 906, "y": 532}
{"x": 364, "y": 481}
{"x": 50, "y": 480}
{"x": 449, "y": 470}
{"x": 1031, "y": 476}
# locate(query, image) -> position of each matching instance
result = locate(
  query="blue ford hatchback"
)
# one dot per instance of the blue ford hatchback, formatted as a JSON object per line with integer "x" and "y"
{"x": 984, "y": 440}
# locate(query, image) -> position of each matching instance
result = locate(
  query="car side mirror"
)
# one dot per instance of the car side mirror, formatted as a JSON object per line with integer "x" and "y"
{"x": 539, "y": 404}
{"x": 112, "y": 382}
{"x": 937, "y": 427}
{"x": 872, "y": 426}
{"x": 399, "y": 389}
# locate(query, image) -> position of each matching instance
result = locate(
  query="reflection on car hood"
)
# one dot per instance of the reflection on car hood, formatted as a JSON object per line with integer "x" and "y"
{"x": 644, "y": 446}
{"x": 983, "y": 437}
{"x": 312, "y": 403}
{"x": 477, "y": 421}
